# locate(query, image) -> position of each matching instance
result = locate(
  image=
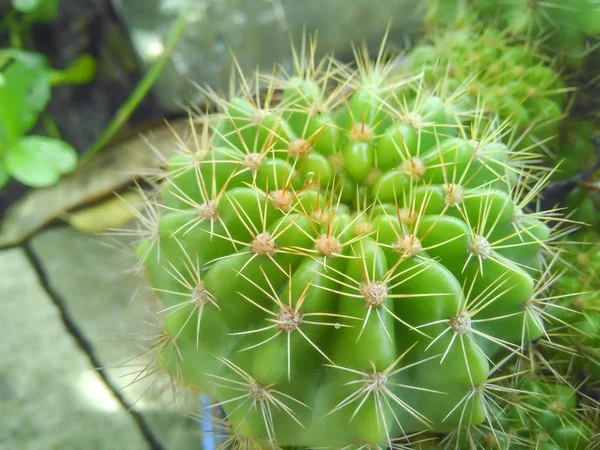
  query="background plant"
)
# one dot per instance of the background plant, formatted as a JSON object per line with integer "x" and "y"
{"x": 26, "y": 80}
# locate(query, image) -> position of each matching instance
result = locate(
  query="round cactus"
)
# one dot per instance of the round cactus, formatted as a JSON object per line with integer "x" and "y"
{"x": 448, "y": 13}
{"x": 576, "y": 150}
{"x": 343, "y": 261}
{"x": 507, "y": 79}
{"x": 528, "y": 411}
{"x": 575, "y": 350}
{"x": 561, "y": 27}
{"x": 578, "y": 153}
{"x": 585, "y": 201}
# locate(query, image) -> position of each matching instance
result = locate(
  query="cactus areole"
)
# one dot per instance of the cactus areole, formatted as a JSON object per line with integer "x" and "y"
{"x": 345, "y": 265}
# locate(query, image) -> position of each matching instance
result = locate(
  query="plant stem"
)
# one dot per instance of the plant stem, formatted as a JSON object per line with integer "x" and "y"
{"x": 14, "y": 30}
{"x": 138, "y": 94}
{"x": 6, "y": 20}
{"x": 50, "y": 126}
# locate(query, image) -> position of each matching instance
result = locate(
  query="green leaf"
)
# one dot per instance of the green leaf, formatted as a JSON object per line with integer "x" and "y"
{"x": 37, "y": 10}
{"x": 26, "y": 6}
{"x": 46, "y": 12}
{"x": 39, "y": 161}
{"x": 24, "y": 92}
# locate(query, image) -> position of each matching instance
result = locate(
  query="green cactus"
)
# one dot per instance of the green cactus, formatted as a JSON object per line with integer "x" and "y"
{"x": 576, "y": 154}
{"x": 564, "y": 24}
{"x": 344, "y": 261}
{"x": 448, "y": 13}
{"x": 584, "y": 200}
{"x": 573, "y": 164}
{"x": 562, "y": 27}
{"x": 529, "y": 411}
{"x": 575, "y": 350}
{"x": 512, "y": 82}
{"x": 576, "y": 150}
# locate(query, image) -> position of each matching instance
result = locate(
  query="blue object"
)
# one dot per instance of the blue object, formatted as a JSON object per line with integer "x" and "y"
{"x": 207, "y": 427}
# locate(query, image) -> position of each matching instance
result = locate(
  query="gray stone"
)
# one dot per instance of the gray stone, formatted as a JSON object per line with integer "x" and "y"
{"x": 258, "y": 32}
{"x": 89, "y": 275}
{"x": 50, "y": 396}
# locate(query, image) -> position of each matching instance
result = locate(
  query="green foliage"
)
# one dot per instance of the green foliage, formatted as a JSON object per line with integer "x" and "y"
{"x": 24, "y": 93}
{"x": 26, "y": 80}
{"x": 39, "y": 161}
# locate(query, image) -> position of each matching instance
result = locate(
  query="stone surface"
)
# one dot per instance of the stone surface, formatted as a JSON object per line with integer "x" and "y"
{"x": 88, "y": 274}
{"x": 50, "y": 396}
{"x": 257, "y": 31}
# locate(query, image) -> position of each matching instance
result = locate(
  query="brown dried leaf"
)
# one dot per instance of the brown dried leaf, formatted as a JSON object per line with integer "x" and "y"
{"x": 114, "y": 212}
{"x": 112, "y": 169}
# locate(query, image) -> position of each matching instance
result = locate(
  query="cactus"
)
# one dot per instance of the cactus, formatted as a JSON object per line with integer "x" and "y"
{"x": 585, "y": 201}
{"x": 578, "y": 154}
{"x": 576, "y": 349}
{"x": 565, "y": 25}
{"x": 509, "y": 80}
{"x": 345, "y": 260}
{"x": 562, "y": 26}
{"x": 576, "y": 150}
{"x": 530, "y": 411}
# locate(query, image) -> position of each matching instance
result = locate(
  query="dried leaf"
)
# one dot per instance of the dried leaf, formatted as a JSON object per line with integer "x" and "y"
{"x": 115, "y": 212}
{"x": 112, "y": 169}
